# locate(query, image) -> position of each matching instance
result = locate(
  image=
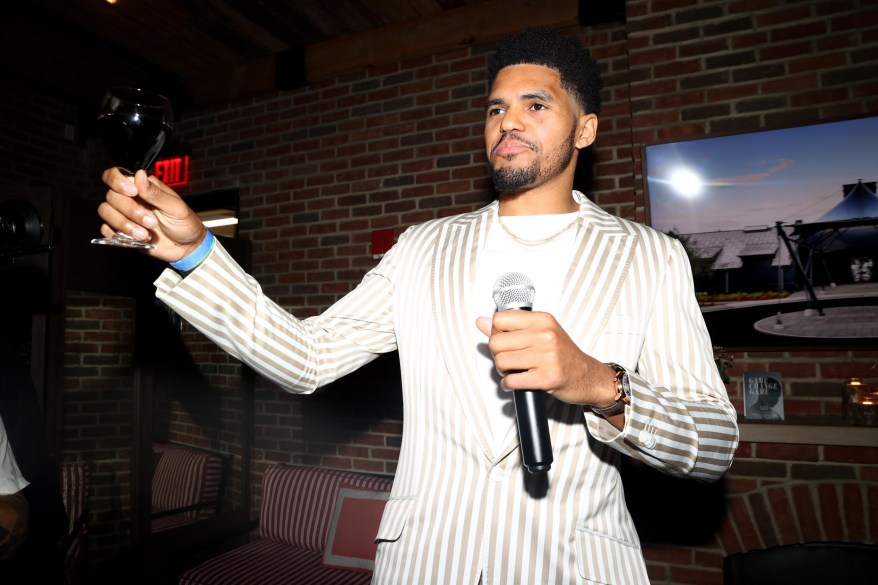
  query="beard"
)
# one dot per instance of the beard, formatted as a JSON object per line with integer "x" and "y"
{"x": 513, "y": 180}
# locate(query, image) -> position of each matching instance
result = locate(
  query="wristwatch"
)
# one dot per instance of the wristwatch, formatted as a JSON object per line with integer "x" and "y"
{"x": 623, "y": 394}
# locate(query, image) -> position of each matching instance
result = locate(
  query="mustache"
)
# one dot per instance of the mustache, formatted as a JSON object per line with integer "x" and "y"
{"x": 517, "y": 138}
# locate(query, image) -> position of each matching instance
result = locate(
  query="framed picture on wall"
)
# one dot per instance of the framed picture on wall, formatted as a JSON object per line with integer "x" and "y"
{"x": 781, "y": 229}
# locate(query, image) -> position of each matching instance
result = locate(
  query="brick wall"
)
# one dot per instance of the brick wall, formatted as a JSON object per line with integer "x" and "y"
{"x": 813, "y": 381}
{"x": 39, "y": 146}
{"x": 707, "y": 68}
{"x": 200, "y": 400}
{"x": 319, "y": 168}
{"x": 97, "y": 414}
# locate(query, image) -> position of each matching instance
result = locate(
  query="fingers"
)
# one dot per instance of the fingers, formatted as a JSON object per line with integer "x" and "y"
{"x": 116, "y": 220}
{"x": 524, "y": 380}
{"x": 118, "y": 182}
{"x": 148, "y": 210}
{"x": 484, "y": 325}
{"x": 527, "y": 349}
{"x": 133, "y": 203}
{"x": 533, "y": 352}
{"x": 122, "y": 210}
{"x": 515, "y": 330}
{"x": 148, "y": 189}
{"x": 514, "y": 320}
{"x": 152, "y": 190}
{"x": 511, "y": 347}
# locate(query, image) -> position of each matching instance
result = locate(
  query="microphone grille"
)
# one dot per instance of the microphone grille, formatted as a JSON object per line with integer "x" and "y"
{"x": 514, "y": 290}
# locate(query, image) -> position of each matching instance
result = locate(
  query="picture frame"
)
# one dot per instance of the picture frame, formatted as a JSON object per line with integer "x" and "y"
{"x": 781, "y": 230}
{"x": 763, "y": 396}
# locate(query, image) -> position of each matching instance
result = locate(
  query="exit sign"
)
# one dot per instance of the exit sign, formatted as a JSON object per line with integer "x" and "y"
{"x": 173, "y": 171}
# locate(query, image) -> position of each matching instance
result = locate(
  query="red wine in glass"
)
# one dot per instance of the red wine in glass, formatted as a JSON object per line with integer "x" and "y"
{"x": 134, "y": 126}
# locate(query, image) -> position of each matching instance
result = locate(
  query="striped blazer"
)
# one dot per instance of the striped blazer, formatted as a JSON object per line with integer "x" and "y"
{"x": 460, "y": 511}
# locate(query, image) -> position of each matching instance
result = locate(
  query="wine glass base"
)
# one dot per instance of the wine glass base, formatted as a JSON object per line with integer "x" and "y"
{"x": 121, "y": 240}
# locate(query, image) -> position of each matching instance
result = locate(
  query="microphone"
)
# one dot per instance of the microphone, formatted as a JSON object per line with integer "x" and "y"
{"x": 515, "y": 290}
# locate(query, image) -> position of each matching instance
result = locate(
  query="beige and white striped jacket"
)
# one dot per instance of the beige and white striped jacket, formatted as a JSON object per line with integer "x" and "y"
{"x": 460, "y": 511}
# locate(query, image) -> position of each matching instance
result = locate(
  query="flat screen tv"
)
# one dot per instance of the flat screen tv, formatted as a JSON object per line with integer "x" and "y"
{"x": 781, "y": 229}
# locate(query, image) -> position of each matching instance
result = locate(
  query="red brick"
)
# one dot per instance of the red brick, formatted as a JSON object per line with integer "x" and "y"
{"x": 830, "y": 512}
{"x": 783, "y": 515}
{"x": 806, "y": 513}
{"x": 743, "y": 523}
{"x": 657, "y": 573}
{"x": 863, "y": 455}
{"x": 872, "y": 498}
{"x": 727, "y": 536}
{"x": 787, "y": 452}
{"x": 693, "y": 576}
{"x": 854, "y": 512}
{"x": 668, "y": 555}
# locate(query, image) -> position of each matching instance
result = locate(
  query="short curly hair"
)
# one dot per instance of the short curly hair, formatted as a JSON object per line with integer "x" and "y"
{"x": 580, "y": 73}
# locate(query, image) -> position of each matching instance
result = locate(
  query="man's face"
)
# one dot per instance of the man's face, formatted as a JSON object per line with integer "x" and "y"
{"x": 531, "y": 128}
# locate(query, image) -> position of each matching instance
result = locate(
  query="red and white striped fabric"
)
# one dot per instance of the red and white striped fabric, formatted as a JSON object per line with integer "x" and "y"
{"x": 297, "y": 502}
{"x": 185, "y": 477}
{"x": 294, "y": 519}
{"x": 74, "y": 494}
{"x": 268, "y": 562}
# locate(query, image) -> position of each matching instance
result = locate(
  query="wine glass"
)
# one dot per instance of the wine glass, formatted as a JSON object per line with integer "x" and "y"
{"x": 134, "y": 125}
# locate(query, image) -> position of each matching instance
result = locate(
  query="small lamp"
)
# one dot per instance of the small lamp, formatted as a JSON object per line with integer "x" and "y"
{"x": 860, "y": 403}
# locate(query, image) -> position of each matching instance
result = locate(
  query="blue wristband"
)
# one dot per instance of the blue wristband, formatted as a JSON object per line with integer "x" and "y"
{"x": 196, "y": 256}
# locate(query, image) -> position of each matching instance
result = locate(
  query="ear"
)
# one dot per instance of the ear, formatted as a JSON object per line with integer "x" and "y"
{"x": 586, "y": 130}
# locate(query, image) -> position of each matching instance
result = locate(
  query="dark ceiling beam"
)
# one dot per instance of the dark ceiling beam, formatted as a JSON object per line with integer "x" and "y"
{"x": 74, "y": 65}
{"x": 447, "y": 31}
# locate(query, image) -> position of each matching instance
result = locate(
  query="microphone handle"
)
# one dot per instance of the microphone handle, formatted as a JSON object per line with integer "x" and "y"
{"x": 533, "y": 425}
{"x": 533, "y": 429}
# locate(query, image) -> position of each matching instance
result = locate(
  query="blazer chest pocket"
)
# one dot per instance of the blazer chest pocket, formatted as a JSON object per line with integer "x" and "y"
{"x": 620, "y": 339}
{"x": 609, "y": 560}
{"x": 395, "y": 517}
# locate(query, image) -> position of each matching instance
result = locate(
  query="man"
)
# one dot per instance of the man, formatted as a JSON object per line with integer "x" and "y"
{"x": 32, "y": 515}
{"x": 463, "y": 509}
{"x": 13, "y": 504}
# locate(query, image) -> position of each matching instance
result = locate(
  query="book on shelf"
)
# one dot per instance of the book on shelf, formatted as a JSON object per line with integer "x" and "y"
{"x": 763, "y": 396}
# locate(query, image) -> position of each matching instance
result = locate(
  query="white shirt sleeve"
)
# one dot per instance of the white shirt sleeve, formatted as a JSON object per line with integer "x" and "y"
{"x": 11, "y": 479}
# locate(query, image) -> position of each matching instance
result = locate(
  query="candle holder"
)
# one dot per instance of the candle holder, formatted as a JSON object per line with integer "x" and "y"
{"x": 860, "y": 403}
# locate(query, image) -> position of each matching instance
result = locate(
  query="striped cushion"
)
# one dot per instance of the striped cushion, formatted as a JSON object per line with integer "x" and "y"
{"x": 163, "y": 523}
{"x": 186, "y": 476}
{"x": 297, "y": 502}
{"x": 74, "y": 494}
{"x": 74, "y": 491}
{"x": 268, "y": 562}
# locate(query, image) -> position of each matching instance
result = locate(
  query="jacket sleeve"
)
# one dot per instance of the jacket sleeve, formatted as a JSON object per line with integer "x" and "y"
{"x": 226, "y": 304}
{"x": 680, "y": 419}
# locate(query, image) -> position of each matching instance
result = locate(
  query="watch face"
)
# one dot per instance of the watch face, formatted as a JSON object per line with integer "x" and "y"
{"x": 623, "y": 389}
{"x": 626, "y": 385}
{"x": 622, "y": 382}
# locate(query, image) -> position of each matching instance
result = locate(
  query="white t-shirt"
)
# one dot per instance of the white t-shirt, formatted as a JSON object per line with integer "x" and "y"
{"x": 11, "y": 480}
{"x": 545, "y": 264}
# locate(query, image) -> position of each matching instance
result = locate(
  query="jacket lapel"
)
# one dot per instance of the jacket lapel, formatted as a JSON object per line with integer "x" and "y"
{"x": 459, "y": 245}
{"x": 603, "y": 255}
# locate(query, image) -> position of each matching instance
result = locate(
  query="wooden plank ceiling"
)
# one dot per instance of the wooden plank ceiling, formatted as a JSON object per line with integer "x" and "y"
{"x": 203, "y": 51}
